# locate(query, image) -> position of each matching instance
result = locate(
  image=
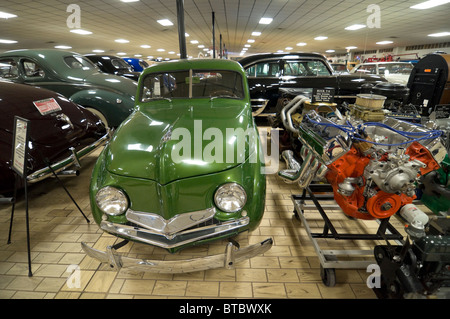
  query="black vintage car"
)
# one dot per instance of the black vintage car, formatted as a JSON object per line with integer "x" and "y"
{"x": 61, "y": 132}
{"x": 273, "y": 77}
{"x": 113, "y": 65}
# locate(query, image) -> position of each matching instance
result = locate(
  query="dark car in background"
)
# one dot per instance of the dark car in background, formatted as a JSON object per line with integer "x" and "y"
{"x": 273, "y": 77}
{"x": 61, "y": 132}
{"x": 113, "y": 65}
{"x": 109, "y": 96}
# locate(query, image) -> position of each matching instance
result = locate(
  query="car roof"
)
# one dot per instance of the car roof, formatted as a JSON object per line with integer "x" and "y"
{"x": 187, "y": 64}
{"x": 291, "y": 55}
{"x": 37, "y": 53}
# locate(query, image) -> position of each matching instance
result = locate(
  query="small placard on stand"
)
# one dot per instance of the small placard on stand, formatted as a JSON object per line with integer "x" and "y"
{"x": 19, "y": 166}
{"x": 325, "y": 95}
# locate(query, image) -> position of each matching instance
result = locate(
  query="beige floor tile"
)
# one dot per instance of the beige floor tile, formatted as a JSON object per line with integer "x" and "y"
{"x": 269, "y": 290}
{"x": 169, "y": 288}
{"x": 236, "y": 290}
{"x": 251, "y": 275}
{"x": 137, "y": 287}
{"x": 101, "y": 281}
{"x": 202, "y": 289}
{"x": 282, "y": 275}
{"x": 307, "y": 291}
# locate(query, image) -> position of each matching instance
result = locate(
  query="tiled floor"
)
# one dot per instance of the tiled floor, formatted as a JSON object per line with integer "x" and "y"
{"x": 289, "y": 270}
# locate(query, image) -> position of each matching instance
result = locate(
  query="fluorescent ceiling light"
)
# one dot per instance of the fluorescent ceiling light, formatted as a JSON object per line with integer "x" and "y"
{"x": 265, "y": 21}
{"x": 121, "y": 41}
{"x": 126, "y": 1}
{"x": 280, "y": 51}
{"x": 171, "y": 52}
{"x": 165, "y": 22}
{"x": 80, "y": 31}
{"x": 256, "y": 33}
{"x": 145, "y": 46}
{"x": 138, "y": 55}
{"x": 385, "y": 42}
{"x": 320, "y": 38}
{"x": 251, "y": 41}
{"x": 201, "y": 46}
{"x": 351, "y": 47}
{"x": 194, "y": 42}
{"x": 150, "y": 57}
{"x": 355, "y": 27}
{"x": 98, "y": 51}
{"x": 288, "y": 48}
{"x": 160, "y": 50}
{"x": 440, "y": 34}
{"x": 247, "y": 45}
{"x": 186, "y": 34}
{"x": 64, "y": 47}
{"x": 301, "y": 44}
{"x": 330, "y": 51}
{"x": 244, "y": 49}
{"x": 429, "y": 4}
{"x": 121, "y": 53}
{"x": 5, "y": 15}
{"x": 7, "y": 41}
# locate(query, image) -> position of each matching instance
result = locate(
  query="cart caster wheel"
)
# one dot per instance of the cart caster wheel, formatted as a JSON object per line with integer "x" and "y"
{"x": 328, "y": 276}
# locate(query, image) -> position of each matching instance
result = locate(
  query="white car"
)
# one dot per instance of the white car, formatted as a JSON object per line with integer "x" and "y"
{"x": 395, "y": 72}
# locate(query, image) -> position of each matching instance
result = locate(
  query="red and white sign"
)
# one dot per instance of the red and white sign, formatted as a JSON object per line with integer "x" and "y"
{"x": 47, "y": 106}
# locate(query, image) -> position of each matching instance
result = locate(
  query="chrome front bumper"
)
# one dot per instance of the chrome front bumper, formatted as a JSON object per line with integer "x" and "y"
{"x": 62, "y": 165}
{"x": 231, "y": 256}
{"x": 161, "y": 239}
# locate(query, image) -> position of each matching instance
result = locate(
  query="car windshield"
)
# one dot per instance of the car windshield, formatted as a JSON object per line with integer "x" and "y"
{"x": 193, "y": 84}
{"x": 395, "y": 68}
{"x": 120, "y": 64}
{"x": 79, "y": 63}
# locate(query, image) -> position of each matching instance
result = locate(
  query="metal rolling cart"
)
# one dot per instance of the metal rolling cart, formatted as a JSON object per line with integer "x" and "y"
{"x": 329, "y": 259}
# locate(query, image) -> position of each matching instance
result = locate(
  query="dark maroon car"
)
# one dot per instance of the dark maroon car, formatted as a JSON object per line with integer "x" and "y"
{"x": 61, "y": 132}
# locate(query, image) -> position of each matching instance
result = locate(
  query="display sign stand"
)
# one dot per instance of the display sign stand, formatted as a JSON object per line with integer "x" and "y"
{"x": 19, "y": 166}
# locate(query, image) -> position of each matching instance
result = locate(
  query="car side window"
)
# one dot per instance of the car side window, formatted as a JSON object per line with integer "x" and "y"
{"x": 264, "y": 69}
{"x": 305, "y": 68}
{"x": 8, "y": 69}
{"x": 32, "y": 69}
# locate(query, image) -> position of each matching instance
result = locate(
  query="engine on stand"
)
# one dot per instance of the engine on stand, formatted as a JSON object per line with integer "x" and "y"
{"x": 375, "y": 164}
{"x": 372, "y": 162}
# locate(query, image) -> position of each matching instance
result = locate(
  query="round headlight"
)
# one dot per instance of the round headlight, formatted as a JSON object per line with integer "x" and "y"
{"x": 111, "y": 201}
{"x": 230, "y": 197}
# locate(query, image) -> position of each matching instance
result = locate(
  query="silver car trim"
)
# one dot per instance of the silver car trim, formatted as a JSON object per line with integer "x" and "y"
{"x": 155, "y": 238}
{"x": 174, "y": 225}
{"x": 73, "y": 159}
{"x": 228, "y": 259}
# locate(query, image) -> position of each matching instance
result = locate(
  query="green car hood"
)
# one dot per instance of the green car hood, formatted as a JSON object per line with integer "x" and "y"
{"x": 143, "y": 146}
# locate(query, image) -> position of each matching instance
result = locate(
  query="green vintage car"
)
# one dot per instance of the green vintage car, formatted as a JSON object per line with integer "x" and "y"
{"x": 184, "y": 169}
{"x": 108, "y": 96}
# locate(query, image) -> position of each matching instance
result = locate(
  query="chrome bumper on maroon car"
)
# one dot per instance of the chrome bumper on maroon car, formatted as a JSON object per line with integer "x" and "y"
{"x": 62, "y": 165}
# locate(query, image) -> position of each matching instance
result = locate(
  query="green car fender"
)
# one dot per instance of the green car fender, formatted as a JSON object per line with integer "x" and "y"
{"x": 102, "y": 101}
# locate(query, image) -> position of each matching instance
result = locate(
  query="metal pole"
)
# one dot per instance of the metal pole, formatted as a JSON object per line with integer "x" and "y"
{"x": 220, "y": 47}
{"x": 181, "y": 31}
{"x": 213, "y": 36}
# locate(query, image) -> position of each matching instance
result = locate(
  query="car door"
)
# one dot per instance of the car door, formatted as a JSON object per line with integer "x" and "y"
{"x": 263, "y": 80}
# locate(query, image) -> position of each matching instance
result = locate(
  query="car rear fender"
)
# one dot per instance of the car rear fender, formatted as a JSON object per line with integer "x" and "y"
{"x": 114, "y": 107}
